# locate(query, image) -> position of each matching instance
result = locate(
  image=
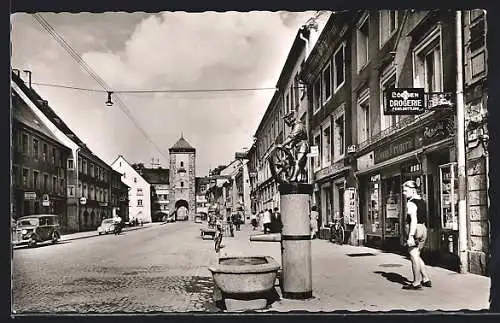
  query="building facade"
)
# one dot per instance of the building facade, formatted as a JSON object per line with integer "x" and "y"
{"x": 139, "y": 194}
{"x": 83, "y": 184}
{"x": 38, "y": 166}
{"x": 327, "y": 72}
{"x": 202, "y": 203}
{"x": 160, "y": 189}
{"x": 289, "y": 98}
{"x": 182, "y": 180}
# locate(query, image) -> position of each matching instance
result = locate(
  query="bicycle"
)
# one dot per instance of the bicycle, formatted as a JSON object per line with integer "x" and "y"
{"x": 337, "y": 231}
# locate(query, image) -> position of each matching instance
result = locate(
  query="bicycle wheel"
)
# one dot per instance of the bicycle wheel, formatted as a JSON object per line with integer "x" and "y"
{"x": 340, "y": 235}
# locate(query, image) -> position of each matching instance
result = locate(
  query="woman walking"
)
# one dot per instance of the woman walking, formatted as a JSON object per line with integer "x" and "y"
{"x": 417, "y": 234}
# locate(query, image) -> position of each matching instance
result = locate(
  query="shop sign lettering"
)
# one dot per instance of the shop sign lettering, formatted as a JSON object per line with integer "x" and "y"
{"x": 397, "y": 148}
{"x": 404, "y": 101}
{"x": 330, "y": 170}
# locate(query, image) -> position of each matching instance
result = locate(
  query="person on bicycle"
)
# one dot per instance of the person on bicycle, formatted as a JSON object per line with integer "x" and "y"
{"x": 297, "y": 140}
{"x": 218, "y": 234}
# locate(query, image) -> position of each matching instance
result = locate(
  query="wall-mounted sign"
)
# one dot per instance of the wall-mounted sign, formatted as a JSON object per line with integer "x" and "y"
{"x": 404, "y": 101}
{"x": 83, "y": 200}
{"x": 351, "y": 149}
{"x": 350, "y": 204}
{"x": 30, "y": 195}
{"x": 398, "y": 147}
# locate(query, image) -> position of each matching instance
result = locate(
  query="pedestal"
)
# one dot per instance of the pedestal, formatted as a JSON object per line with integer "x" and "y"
{"x": 296, "y": 240}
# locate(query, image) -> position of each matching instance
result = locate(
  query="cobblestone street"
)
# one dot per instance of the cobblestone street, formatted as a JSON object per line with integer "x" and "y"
{"x": 156, "y": 268}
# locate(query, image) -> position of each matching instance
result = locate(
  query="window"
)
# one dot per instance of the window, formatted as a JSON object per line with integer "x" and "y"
{"x": 61, "y": 186}
{"x": 339, "y": 133}
{"x": 139, "y": 191}
{"x": 388, "y": 24}
{"x": 124, "y": 175}
{"x": 80, "y": 164}
{"x": 327, "y": 83}
{"x": 364, "y": 116}
{"x": 388, "y": 81}
{"x": 25, "y": 177}
{"x": 428, "y": 67}
{"x": 139, "y": 202}
{"x": 45, "y": 183}
{"x": 35, "y": 148}
{"x": 135, "y": 179}
{"x": 296, "y": 92}
{"x": 339, "y": 67}
{"x": 91, "y": 193}
{"x": 54, "y": 156}
{"x": 70, "y": 164}
{"x": 182, "y": 164}
{"x": 91, "y": 169}
{"x": 326, "y": 133}
{"x": 475, "y": 14}
{"x": 85, "y": 191}
{"x": 79, "y": 192}
{"x": 24, "y": 143}
{"x": 44, "y": 152}
{"x": 71, "y": 190}
{"x": 362, "y": 36}
{"x": 182, "y": 184}
{"x": 54, "y": 184}
{"x": 84, "y": 166}
{"x": 317, "y": 95}
{"x": 317, "y": 143}
{"x": 35, "y": 180}
{"x": 14, "y": 175}
{"x": 287, "y": 103}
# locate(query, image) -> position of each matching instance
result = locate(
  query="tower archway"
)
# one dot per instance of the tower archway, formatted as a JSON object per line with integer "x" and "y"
{"x": 181, "y": 210}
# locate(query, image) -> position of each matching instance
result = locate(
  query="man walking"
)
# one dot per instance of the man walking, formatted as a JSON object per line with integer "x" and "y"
{"x": 276, "y": 224}
{"x": 417, "y": 233}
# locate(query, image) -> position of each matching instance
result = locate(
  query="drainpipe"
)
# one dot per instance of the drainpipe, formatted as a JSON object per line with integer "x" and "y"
{"x": 462, "y": 188}
{"x": 77, "y": 190}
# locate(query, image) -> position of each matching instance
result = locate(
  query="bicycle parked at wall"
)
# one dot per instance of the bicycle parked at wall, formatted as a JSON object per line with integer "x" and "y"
{"x": 337, "y": 231}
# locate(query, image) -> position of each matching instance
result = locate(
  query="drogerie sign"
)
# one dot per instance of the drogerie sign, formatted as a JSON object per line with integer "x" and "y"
{"x": 404, "y": 101}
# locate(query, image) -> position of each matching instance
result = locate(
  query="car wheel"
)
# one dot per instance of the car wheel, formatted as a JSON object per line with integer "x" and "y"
{"x": 55, "y": 237}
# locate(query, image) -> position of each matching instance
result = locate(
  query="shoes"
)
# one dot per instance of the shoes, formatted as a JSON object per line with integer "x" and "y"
{"x": 412, "y": 287}
{"x": 426, "y": 284}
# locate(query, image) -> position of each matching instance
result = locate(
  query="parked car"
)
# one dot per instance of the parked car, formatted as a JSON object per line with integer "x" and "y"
{"x": 107, "y": 226}
{"x": 36, "y": 228}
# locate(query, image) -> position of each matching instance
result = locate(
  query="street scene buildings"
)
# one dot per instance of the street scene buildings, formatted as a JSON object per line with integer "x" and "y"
{"x": 384, "y": 96}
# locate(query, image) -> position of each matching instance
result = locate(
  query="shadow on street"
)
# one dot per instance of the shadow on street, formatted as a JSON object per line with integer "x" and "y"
{"x": 393, "y": 277}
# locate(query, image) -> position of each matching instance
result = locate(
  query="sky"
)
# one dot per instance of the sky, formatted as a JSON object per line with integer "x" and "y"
{"x": 168, "y": 50}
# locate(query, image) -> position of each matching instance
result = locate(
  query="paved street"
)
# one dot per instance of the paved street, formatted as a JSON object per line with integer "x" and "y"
{"x": 164, "y": 268}
{"x": 154, "y": 268}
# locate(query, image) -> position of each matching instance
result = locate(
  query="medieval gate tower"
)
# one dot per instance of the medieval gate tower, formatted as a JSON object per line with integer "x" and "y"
{"x": 182, "y": 180}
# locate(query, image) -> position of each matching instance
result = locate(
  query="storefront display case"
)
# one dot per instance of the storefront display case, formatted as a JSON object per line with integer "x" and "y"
{"x": 391, "y": 198}
{"x": 448, "y": 184}
{"x": 374, "y": 216}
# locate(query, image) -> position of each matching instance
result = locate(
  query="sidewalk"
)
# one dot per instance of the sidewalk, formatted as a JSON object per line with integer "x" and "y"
{"x": 93, "y": 233}
{"x": 360, "y": 278}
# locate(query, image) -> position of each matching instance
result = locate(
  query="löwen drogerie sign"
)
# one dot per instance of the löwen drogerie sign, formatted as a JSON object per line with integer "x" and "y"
{"x": 404, "y": 101}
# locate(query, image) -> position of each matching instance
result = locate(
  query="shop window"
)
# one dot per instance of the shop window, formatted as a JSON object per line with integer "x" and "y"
{"x": 364, "y": 116}
{"x": 428, "y": 67}
{"x": 362, "y": 40}
{"x": 327, "y": 83}
{"x": 339, "y": 67}
{"x": 388, "y": 24}
{"x": 448, "y": 183}
{"x": 374, "y": 224}
{"x": 391, "y": 197}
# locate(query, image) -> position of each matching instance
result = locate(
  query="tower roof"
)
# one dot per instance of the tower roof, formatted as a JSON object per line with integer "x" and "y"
{"x": 182, "y": 146}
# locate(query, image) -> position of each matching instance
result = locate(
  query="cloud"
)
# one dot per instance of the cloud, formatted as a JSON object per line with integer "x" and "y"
{"x": 171, "y": 50}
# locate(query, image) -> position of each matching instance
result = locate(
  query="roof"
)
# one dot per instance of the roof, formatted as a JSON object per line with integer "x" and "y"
{"x": 44, "y": 107}
{"x": 23, "y": 114}
{"x": 156, "y": 175}
{"x": 182, "y": 146}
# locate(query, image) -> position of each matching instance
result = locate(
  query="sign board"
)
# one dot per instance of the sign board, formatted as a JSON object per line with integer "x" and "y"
{"x": 398, "y": 147}
{"x": 83, "y": 200}
{"x": 314, "y": 152}
{"x": 30, "y": 195}
{"x": 350, "y": 204}
{"x": 45, "y": 203}
{"x": 404, "y": 101}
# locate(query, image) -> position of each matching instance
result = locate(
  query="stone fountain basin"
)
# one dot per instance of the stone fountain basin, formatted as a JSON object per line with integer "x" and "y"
{"x": 245, "y": 275}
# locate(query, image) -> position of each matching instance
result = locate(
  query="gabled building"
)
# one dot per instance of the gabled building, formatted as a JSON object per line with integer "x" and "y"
{"x": 160, "y": 190}
{"x": 87, "y": 176}
{"x": 38, "y": 166}
{"x": 139, "y": 194}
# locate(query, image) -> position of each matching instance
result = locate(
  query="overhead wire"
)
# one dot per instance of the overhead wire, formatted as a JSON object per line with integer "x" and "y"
{"x": 61, "y": 41}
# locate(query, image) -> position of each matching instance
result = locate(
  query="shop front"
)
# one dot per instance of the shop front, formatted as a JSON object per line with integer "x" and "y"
{"x": 423, "y": 155}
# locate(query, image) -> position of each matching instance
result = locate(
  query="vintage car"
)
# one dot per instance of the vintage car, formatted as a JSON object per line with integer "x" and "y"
{"x": 36, "y": 228}
{"x": 107, "y": 226}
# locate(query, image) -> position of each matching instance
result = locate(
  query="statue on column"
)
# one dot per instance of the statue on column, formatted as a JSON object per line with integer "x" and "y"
{"x": 288, "y": 160}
